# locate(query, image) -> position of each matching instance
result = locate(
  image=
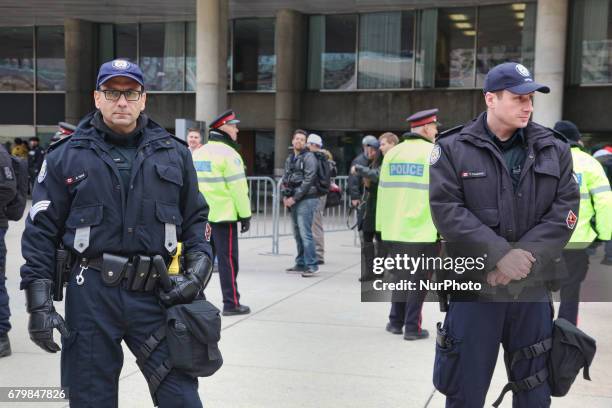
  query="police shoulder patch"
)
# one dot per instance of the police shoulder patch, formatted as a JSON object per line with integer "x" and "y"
{"x": 43, "y": 172}
{"x": 435, "y": 155}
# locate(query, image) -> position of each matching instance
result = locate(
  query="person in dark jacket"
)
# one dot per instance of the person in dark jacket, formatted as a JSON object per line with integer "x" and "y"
{"x": 301, "y": 197}
{"x": 369, "y": 175}
{"x": 355, "y": 182}
{"x": 36, "y": 156}
{"x": 503, "y": 185}
{"x": 12, "y": 204}
{"x": 119, "y": 194}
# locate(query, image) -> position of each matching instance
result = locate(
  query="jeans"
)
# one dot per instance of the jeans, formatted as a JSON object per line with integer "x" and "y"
{"x": 608, "y": 250}
{"x": 302, "y": 214}
{"x": 5, "y": 312}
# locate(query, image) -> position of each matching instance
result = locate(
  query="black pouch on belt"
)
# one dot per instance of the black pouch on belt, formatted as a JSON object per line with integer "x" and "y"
{"x": 113, "y": 268}
{"x": 142, "y": 266}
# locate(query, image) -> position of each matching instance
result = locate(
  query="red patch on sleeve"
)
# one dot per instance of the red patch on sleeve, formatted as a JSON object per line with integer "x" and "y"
{"x": 571, "y": 220}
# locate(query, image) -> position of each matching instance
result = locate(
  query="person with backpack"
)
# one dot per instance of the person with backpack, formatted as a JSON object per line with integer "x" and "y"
{"x": 301, "y": 191}
{"x": 13, "y": 194}
{"x": 324, "y": 170}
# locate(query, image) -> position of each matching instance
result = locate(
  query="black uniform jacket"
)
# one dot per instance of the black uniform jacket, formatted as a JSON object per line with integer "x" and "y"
{"x": 473, "y": 200}
{"x": 79, "y": 185}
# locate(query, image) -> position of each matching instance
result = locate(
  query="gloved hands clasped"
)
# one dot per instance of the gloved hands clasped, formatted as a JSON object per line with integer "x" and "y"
{"x": 43, "y": 317}
{"x": 183, "y": 288}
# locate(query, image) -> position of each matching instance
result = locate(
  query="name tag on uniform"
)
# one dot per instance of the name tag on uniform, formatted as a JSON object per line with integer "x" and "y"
{"x": 406, "y": 169}
{"x": 473, "y": 174}
{"x": 203, "y": 166}
{"x": 76, "y": 179}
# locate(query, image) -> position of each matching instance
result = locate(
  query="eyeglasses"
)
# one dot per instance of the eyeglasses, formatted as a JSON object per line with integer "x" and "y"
{"x": 113, "y": 95}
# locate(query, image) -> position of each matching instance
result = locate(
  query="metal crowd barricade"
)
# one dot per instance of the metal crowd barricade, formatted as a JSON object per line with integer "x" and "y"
{"x": 271, "y": 219}
{"x": 334, "y": 219}
{"x": 263, "y": 193}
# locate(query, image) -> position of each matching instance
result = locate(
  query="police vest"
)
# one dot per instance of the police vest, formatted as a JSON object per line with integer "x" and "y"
{"x": 402, "y": 205}
{"x": 222, "y": 181}
{"x": 595, "y": 201}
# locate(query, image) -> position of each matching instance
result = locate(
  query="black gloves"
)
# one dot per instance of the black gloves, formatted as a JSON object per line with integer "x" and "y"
{"x": 245, "y": 224}
{"x": 43, "y": 317}
{"x": 184, "y": 288}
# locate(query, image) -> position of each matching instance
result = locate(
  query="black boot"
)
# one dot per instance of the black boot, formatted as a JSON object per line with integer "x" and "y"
{"x": 5, "y": 345}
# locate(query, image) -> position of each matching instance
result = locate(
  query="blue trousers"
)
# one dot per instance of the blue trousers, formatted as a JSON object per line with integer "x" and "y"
{"x": 407, "y": 312}
{"x": 577, "y": 263}
{"x": 302, "y": 214}
{"x": 5, "y": 312}
{"x": 463, "y": 371}
{"x": 225, "y": 246}
{"x": 99, "y": 318}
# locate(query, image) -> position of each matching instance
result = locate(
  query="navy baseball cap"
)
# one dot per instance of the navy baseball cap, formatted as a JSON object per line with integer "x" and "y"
{"x": 513, "y": 77}
{"x": 119, "y": 67}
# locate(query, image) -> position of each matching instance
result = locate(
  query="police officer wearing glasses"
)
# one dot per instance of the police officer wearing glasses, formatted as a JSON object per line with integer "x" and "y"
{"x": 117, "y": 196}
{"x": 502, "y": 187}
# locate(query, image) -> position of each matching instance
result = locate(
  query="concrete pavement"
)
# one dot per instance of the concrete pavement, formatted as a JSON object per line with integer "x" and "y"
{"x": 309, "y": 342}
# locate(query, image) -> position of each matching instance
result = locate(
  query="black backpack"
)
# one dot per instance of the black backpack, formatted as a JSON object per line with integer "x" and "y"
{"x": 323, "y": 182}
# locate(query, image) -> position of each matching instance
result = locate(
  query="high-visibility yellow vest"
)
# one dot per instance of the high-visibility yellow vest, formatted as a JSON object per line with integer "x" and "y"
{"x": 595, "y": 201}
{"x": 402, "y": 204}
{"x": 222, "y": 181}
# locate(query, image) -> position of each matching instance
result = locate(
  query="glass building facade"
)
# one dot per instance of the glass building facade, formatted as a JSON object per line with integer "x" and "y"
{"x": 429, "y": 48}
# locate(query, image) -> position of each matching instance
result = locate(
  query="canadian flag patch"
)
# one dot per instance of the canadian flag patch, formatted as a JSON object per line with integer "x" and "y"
{"x": 571, "y": 220}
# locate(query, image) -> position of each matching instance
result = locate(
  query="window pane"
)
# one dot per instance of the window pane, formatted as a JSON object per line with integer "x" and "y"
{"x": 106, "y": 42}
{"x": 340, "y": 48}
{"x": 505, "y": 33}
{"x": 126, "y": 44}
{"x": 254, "y": 59}
{"x": 49, "y": 108}
{"x": 162, "y": 56}
{"x": 17, "y": 109}
{"x": 50, "y": 66}
{"x": 264, "y": 153}
{"x": 455, "y": 47}
{"x": 386, "y": 50}
{"x": 16, "y": 59}
{"x": 591, "y": 42}
{"x": 190, "y": 57}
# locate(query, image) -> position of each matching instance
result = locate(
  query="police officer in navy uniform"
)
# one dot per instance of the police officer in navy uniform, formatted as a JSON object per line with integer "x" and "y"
{"x": 504, "y": 183}
{"x": 118, "y": 192}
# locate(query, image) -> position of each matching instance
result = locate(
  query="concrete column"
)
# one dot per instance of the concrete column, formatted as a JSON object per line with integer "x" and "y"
{"x": 551, "y": 31}
{"x": 81, "y": 71}
{"x": 211, "y": 58}
{"x": 290, "y": 47}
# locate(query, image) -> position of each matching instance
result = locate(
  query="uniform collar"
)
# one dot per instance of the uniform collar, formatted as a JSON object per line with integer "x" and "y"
{"x": 412, "y": 135}
{"x": 217, "y": 135}
{"x": 130, "y": 140}
{"x": 517, "y": 139}
{"x": 87, "y": 131}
